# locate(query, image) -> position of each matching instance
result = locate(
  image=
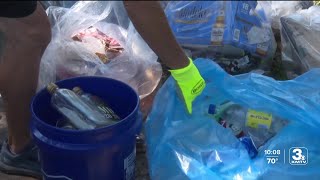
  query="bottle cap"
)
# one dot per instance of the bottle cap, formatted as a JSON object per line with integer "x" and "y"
{"x": 212, "y": 109}
{"x": 52, "y": 88}
{"x": 77, "y": 90}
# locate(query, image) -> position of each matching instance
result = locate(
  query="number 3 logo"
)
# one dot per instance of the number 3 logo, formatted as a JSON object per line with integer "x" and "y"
{"x": 298, "y": 155}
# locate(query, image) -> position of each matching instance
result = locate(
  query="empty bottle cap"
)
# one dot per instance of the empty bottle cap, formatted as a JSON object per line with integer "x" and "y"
{"x": 212, "y": 109}
{"x": 52, "y": 88}
{"x": 77, "y": 90}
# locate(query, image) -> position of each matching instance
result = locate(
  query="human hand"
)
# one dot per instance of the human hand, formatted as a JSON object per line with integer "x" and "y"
{"x": 190, "y": 83}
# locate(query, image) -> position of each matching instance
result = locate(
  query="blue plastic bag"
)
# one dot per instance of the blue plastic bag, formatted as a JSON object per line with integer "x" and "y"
{"x": 182, "y": 146}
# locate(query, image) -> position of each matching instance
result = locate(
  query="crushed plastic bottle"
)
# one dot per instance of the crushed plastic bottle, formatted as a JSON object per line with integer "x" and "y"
{"x": 244, "y": 122}
{"x": 80, "y": 114}
{"x": 98, "y": 103}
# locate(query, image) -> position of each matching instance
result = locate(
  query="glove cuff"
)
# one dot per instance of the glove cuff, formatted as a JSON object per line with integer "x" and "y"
{"x": 180, "y": 74}
{"x": 182, "y": 70}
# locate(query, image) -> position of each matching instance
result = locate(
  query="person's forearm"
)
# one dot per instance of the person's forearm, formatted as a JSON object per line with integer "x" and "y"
{"x": 150, "y": 21}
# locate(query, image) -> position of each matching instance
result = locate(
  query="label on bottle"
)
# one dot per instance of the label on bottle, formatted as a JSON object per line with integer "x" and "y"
{"x": 108, "y": 112}
{"x": 236, "y": 34}
{"x": 217, "y": 34}
{"x": 129, "y": 165}
{"x": 258, "y": 119}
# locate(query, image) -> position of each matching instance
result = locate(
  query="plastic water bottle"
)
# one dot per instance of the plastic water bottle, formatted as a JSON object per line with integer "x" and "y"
{"x": 98, "y": 103}
{"x": 226, "y": 118}
{"x": 259, "y": 126}
{"x": 80, "y": 114}
{"x": 223, "y": 115}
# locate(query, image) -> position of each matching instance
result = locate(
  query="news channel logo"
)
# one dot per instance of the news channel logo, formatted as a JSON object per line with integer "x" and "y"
{"x": 298, "y": 156}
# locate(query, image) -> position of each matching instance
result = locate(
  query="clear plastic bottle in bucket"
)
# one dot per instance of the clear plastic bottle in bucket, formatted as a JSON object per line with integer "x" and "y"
{"x": 79, "y": 113}
{"x": 247, "y": 123}
{"x": 95, "y": 101}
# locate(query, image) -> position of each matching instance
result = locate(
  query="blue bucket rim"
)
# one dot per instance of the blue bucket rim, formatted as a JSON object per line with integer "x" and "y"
{"x": 123, "y": 121}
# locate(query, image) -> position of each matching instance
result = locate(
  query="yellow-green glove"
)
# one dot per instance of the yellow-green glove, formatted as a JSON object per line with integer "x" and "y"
{"x": 190, "y": 82}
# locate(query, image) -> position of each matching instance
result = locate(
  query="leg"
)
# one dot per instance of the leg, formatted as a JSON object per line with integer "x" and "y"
{"x": 23, "y": 41}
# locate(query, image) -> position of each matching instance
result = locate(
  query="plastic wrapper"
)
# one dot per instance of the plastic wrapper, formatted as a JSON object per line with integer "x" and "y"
{"x": 300, "y": 38}
{"x": 96, "y": 38}
{"x": 276, "y": 9}
{"x": 182, "y": 146}
{"x": 231, "y": 29}
{"x": 105, "y": 47}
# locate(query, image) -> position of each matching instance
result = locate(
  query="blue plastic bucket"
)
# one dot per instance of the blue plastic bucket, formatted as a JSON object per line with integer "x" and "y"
{"x": 105, "y": 153}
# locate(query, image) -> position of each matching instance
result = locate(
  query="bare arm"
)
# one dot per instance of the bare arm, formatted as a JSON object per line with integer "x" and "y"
{"x": 151, "y": 22}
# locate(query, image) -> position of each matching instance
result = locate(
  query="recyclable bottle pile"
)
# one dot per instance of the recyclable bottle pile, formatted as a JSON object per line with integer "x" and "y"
{"x": 80, "y": 110}
{"x": 252, "y": 128}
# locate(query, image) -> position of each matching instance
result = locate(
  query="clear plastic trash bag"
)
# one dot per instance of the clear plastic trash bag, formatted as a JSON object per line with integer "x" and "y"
{"x": 276, "y": 9}
{"x": 136, "y": 65}
{"x": 182, "y": 146}
{"x": 300, "y": 38}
